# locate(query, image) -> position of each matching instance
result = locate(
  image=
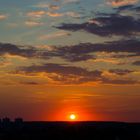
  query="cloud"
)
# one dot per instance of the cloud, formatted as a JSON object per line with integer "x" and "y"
{"x": 29, "y": 83}
{"x": 120, "y": 81}
{"x": 46, "y": 5}
{"x": 137, "y": 8}
{"x": 2, "y": 16}
{"x": 46, "y": 47}
{"x": 129, "y": 10}
{"x": 73, "y": 14}
{"x": 36, "y": 14}
{"x": 41, "y": 13}
{"x": 73, "y": 53}
{"x": 15, "y": 50}
{"x": 111, "y": 24}
{"x": 54, "y": 14}
{"x": 120, "y": 71}
{"x": 33, "y": 23}
{"x": 70, "y": 1}
{"x": 53, "y": 7}
{"x": 54, "y": 35}
{"x": 9, "y": 57}
{"x": 70, "y": 14}
{"x": 137, "y": 63}
{"x": 68, "y": 74}
{"x": 65, "y": 74}
{"x": 26, "y": 51}
{"x": 62, "y": 73}
{"x": 77, "y": 58}
{"x": 11, "y": 49}
{"x": 4, "y": 62}
{"x": 83, "y": 51}
{"x": 108, "y": 59}
{"x": 61, "y": 69}
{"x": 118, "y": 76}
{"x": 118, "y": 3}
{"x": 126, "y": 7}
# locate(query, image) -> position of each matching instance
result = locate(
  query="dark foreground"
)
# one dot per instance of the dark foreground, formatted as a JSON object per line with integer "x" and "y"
{"x": 69, "y": 131}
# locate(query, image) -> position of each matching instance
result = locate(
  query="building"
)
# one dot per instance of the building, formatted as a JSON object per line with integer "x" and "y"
{"x": 18, "y": 120}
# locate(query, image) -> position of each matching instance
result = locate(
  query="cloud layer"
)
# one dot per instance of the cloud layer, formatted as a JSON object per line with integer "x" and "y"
{"x": 112, "y": 24}
{"x": 118, "y": 3}
{"x": 109, "y": 54}
{"x": 75, "y": 75}
{"x": 73, "y": 53}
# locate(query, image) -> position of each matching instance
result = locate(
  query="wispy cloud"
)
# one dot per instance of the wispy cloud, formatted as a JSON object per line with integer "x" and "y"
{"x": 54, "y": 14}
{"x": 118, "y": 3}
{"x": 70, "y": 1}
{"x": 39, "y": 14}
{"x": 47, "y": 5}
{"x": 36, "y": 14}
{"x": 3, "y": 16}
{"x": 33, "y": 23}
{"x": 54, "y": 35}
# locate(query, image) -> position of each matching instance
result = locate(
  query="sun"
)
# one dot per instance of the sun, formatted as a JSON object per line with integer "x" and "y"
{"x": 72, "y": 117}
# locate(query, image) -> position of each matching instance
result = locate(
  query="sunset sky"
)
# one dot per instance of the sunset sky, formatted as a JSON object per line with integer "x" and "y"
{"x": 62, "y": 57}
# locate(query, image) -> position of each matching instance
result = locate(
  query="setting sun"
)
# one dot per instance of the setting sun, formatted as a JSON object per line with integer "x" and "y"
{"x": 72, "y": 116}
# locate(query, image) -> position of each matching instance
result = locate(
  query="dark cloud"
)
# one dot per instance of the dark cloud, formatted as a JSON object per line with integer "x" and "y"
{"x": 120, "y": 71}
{"x": 29, "y": 52}
{"x": 111, "y": 24}
{"x": 29, "y": 83}
{"x": 74, "y": 53}
{"x": 60, "y": 69}
{"x": 75, "y": 75}
{"x": 64, "y": 73}
{"x": 137, "y": 63}
{"x": 108, "y": 24}
{"x": 125, "y": 7}
{"x": 75, "y": 57}
{"x": 128, "y": 8}
{"x": 120, "y": 81}
{"x": 137, "y": 8}
{"x": 24, "y": 51}
{"x": 16, "y": 50}
{"x": 83, "y": 51}
{"x": 125, "y": 55}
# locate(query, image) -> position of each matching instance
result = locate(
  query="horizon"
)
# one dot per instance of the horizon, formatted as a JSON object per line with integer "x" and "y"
{"x": 21, "y": 120}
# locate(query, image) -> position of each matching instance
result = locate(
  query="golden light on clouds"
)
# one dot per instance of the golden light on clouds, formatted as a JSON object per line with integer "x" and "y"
{"x": 117, "y": 3}
{"x": 36, "y": 14}
{"x": 2, "y": 16}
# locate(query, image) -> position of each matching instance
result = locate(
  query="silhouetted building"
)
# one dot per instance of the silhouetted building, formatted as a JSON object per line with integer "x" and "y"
{"x": 18, "y": 120}
{"x": 6, "y": 120}
{"x": 69, "y": 131}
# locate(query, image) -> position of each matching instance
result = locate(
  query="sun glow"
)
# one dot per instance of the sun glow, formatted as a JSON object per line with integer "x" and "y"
{"x": 72, "y": 117}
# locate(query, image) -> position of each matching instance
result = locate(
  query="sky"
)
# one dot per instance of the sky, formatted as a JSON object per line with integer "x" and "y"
{"x": 62, "y": 57}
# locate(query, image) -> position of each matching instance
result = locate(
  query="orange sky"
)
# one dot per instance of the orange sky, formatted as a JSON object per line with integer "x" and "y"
{"x": 89, "y": 103}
